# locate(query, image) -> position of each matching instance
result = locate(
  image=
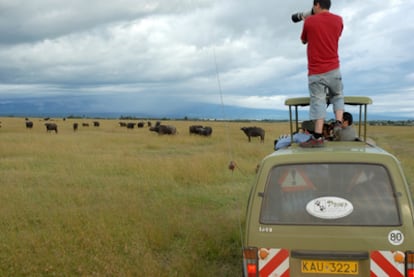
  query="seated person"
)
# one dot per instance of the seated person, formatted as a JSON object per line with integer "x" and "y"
{"x": 302, "y": 136}
{"x": 347, "y": 131}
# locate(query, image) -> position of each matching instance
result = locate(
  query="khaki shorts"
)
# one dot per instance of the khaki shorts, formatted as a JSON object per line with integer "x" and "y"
{"x": 325, "y": 85}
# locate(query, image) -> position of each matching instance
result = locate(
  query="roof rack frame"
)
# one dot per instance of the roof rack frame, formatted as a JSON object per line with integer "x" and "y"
{"x": 361, "y": 101}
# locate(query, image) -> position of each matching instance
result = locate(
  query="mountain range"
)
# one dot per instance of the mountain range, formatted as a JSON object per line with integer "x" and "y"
{"x": 54, "y": 108}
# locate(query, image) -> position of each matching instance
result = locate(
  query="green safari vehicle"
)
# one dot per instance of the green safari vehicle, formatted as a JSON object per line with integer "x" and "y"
{"x": 341, "y": 210}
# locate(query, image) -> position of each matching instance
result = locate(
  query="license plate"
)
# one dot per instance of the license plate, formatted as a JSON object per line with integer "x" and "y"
{"x": 329, "y": 267}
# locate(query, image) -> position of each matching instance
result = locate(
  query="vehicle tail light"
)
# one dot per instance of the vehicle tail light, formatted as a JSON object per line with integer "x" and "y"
{"x": 409, "y": 263}
{"x": 250, "y": 261}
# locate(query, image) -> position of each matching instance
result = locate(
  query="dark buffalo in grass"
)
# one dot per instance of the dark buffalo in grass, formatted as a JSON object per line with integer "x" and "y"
{"x": 193, "y": 129}
{"x": 254, "y": 132}
{"x": 205, "y": 131}
{"x": 164, "y": 129}
{"x": 51, "y": 127}
{"x": 130, "y": 125}
{"x": 201, "y": 130}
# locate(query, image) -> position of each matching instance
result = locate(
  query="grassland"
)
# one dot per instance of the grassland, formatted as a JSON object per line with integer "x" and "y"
{"x": 108, "y": 201}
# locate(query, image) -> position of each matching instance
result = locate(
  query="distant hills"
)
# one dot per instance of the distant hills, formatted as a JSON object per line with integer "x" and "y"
{"x": 54, "y": 107}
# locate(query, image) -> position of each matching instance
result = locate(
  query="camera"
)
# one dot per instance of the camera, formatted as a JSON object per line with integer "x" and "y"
{"x": 296, "y": 17}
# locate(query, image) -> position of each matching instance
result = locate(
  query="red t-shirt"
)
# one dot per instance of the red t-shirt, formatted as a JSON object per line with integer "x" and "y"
{"x": 321, "y": 32}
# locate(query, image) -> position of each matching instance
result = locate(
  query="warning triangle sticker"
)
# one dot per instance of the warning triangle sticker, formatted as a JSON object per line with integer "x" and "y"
{"x": 359, "y": 178}
{"x": 295, "y": 180}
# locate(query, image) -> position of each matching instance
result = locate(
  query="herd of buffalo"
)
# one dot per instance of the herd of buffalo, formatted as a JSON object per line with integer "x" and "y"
{"x": 159, "y": 128}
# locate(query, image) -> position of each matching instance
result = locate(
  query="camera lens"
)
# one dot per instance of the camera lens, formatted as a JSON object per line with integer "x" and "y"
{"x": 296, "y": 17}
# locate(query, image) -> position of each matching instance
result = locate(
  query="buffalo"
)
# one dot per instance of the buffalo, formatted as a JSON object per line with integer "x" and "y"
{"x": 254, "y": 132}
{"x": 205, "y": 131}
{"x": 141, "y": 124}
{"x": 130, "y": 125}
{"x": 164, "y": 129}
{"x": 29, "y": 124}
{"x": 193, "y": 129}
{"x": 96, "y": 124}
{"x": 75, "y": 126}
{"x": 200, "y": 130}
{"x": 51, "y": 127}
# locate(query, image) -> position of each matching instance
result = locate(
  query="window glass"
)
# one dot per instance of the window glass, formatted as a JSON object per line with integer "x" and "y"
{"x": 330, "y": 194}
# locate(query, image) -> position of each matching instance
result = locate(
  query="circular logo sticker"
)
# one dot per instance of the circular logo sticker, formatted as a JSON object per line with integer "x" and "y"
{"x": 329, "y": 207}
{"x": 396, "y": 237}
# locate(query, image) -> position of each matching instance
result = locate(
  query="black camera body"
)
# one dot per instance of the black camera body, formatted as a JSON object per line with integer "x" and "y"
{"x": 296, "y": 17}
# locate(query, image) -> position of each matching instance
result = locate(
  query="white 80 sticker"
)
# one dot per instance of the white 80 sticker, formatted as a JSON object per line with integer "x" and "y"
{"x": 396, "y": 237}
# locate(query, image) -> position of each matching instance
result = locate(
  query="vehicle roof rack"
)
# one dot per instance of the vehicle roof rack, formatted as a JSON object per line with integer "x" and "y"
{"x": 361, "y": 101}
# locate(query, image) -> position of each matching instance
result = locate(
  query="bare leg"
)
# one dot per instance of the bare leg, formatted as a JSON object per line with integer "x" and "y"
{"x": 319, "y": 125}
{"x": 339, "y": 115}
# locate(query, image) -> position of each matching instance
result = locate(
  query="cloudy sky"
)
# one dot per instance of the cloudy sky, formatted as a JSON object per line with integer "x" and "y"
{"x": 169, "y": 55}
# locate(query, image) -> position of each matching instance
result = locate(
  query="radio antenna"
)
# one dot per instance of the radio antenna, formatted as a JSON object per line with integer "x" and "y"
{"x": 232, "y": 164}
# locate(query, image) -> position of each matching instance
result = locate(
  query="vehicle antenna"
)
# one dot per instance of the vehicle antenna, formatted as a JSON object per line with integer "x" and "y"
{"x": 232, "y": 164}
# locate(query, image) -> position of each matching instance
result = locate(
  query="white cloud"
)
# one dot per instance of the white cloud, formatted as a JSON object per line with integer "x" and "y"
{"x": 178, "y": 49}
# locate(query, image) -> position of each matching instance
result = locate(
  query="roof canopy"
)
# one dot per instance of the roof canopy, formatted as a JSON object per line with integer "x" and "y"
{"x": 349, "y": 100}
{"x": 361, "y": 101}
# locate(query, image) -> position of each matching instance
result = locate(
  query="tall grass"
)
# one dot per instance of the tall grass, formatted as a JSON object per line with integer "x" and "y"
{"x": 108, "y": 201}
{"x": 398, "y": 141}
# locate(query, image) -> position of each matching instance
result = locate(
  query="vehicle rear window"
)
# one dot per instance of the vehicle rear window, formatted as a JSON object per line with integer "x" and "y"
{"x": 330, "y": 194}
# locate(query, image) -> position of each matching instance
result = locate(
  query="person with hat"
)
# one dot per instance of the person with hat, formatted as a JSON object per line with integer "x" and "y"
{"x": 305, "y": 134}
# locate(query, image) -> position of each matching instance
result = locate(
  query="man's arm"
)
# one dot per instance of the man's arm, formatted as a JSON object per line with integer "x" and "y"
{"x": 303, "y": 36}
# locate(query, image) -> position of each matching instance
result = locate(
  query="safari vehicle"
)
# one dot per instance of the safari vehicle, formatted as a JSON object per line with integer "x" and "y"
{"x": 341, "y": 210}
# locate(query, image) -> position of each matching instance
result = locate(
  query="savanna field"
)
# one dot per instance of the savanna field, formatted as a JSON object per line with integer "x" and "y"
{"x": 112, "y": 201}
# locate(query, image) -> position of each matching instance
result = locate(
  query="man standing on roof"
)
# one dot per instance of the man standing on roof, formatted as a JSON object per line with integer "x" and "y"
{"x": 321, "y": 32}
